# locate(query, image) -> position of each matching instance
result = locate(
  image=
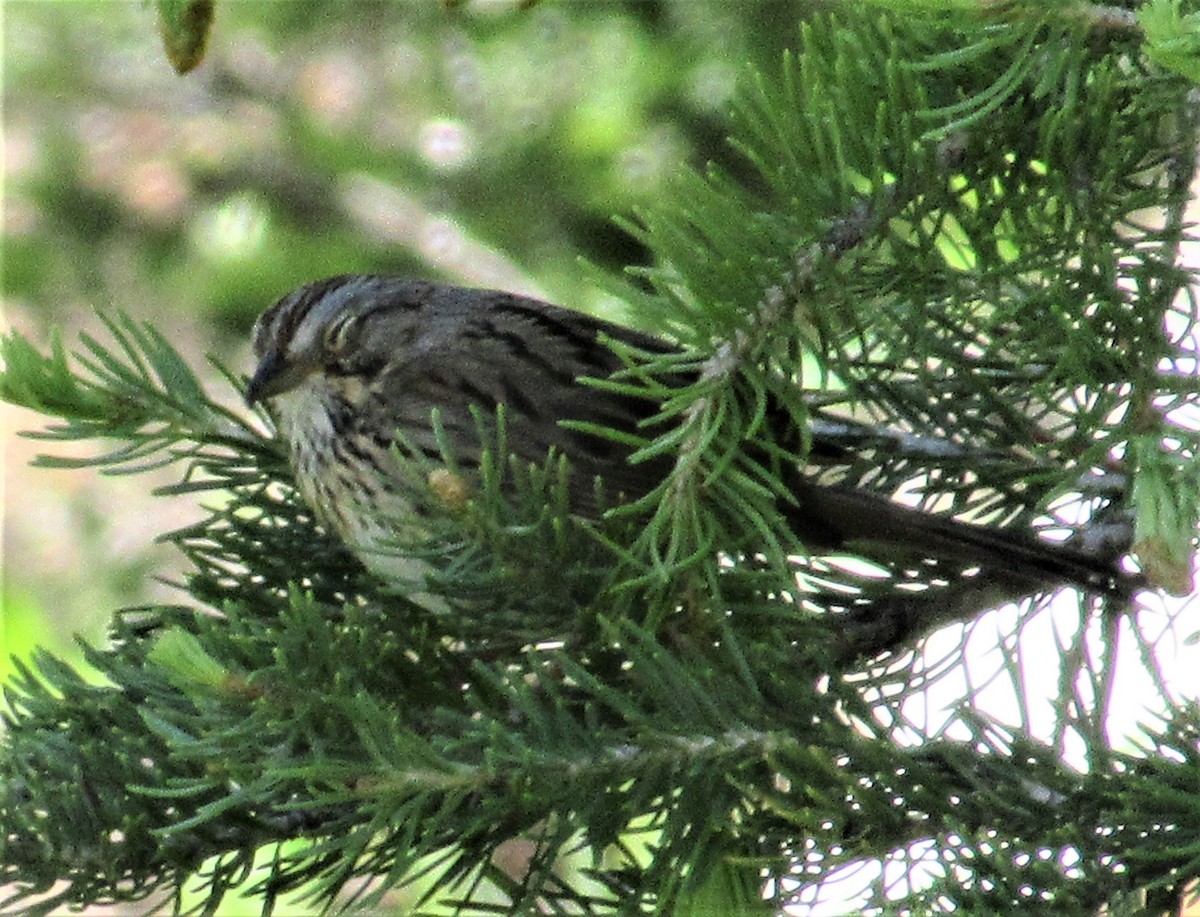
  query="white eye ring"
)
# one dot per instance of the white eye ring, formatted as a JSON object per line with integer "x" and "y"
{"x": 338, "y": 333}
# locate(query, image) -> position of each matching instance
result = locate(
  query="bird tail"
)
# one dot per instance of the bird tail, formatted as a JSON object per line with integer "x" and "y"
{"x": 829, "y": 518}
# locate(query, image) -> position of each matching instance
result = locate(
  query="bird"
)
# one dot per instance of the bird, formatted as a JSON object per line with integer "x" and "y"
{"x": 347, "y": 363}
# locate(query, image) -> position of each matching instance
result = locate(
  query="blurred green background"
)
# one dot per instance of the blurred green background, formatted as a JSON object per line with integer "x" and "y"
{"x": 485, "y": 145}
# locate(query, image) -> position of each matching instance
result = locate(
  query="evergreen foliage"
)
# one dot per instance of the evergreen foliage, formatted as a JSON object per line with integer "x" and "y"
{"x": 966, "y": 239}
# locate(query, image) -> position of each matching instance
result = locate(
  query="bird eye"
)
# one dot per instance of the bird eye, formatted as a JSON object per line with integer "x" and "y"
{"x": 339, "y": 331}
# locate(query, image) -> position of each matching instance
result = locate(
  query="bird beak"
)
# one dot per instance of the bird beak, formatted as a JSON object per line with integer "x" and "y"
{"x": 273, "y": 376}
